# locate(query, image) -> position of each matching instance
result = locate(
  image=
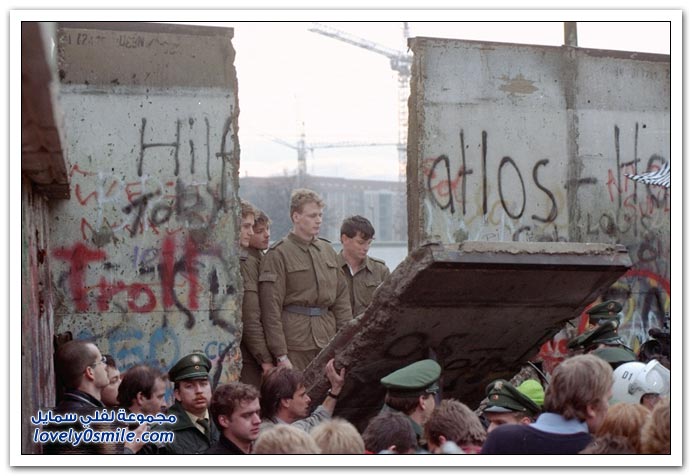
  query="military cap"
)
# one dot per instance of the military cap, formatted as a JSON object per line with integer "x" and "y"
{"x": 413, "y": 380}
{"x": 605, "y": 333}
{"x": 504, "y": 398}
{"x": 615, "y": 356}
{"x": 604, "y": 310}
{"x": 192, "y": 366}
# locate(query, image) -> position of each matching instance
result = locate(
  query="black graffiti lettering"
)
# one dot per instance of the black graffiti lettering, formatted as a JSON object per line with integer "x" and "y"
{"x": 191, "y": 122}
{"x": 160, "y": 213}
{"x": 617, "y": 161}
{"x": 225, "y": 155}
{"x": 407, "y": 346}
{"x": 450, "y": 194}
{"x": 508, "y": 160}
{"x": 517, "y": 234}
{"x": 144, "y": 146}
{"x": 140, "y": 204}
{"x": 553, "y": 210}
{"x": 207, "y": 130}
{"x": 463, "y": 172}
{"x": 484, "y": 157}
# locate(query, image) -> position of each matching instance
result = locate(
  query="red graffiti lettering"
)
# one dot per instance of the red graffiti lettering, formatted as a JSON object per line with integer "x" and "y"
{"x": 191, "y": 253}
{"x": 612, "y": 183}
{"x": 134, "y": 291}
{"x": 167, "y": 272}
{"x": 663, "y": 282}
{"x": 108, "y": 290}
{"x": 79, "y": 256}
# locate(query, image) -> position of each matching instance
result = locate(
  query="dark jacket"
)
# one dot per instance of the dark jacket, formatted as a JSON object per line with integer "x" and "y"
{"x": 188, "y": 439}
{"x": 74, "y": 401}
{"x": 80, "y": 403}
{"x": 224, "y": 447}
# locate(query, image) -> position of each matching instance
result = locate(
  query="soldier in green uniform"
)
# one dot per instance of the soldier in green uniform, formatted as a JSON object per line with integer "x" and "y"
{"x": 256, "y": 357}
{"x": 603, "y": 340}
{"x": 364, "y": 273}
{"x": 510, "y": 405}
{"x": 411, "y": 390}
{"x": 193, "y": 430}
{"x": 303, "y": 293}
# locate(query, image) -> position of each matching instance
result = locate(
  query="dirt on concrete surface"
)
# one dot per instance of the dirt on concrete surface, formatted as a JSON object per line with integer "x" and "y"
{"x": 480, "y": 309}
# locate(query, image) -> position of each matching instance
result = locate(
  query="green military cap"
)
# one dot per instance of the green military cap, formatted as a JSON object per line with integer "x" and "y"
{"x": 413, "y": 380}
{"x": 604, "y": 310}
{"x": 605, "y": 333}
{"x": 615, "y": 356}
{"x": 504, "y": 398}
{"x": 192, "y": 366}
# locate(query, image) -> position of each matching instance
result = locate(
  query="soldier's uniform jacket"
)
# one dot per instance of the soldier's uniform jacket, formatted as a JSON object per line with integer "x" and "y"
{"x": 302, "y": 274}
{"x": 362, "y": 285}
{"x": 253, "y": 333}
{"x": 188, "y": 439}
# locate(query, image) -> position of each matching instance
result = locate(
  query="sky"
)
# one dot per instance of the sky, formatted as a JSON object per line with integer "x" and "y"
{"x": 292, "y": 80}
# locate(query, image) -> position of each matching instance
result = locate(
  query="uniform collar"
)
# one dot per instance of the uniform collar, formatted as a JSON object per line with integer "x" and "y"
{"x": 367, "y": 264}
{"x": 254, "y": 252}
{"x": 302, "y": 244}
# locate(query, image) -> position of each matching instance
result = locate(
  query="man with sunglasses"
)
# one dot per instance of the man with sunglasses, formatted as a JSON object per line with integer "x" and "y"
{"x": 80, "y": 370}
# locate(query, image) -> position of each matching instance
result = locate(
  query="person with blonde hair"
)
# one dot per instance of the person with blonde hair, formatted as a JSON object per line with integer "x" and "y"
{"x": 576, "y": 403}
{"x": 626, "y": 420}
{"x": 285, "y": 440}
{"x": 304, "y": 296}
{"x": 656, "y": 431}
{"x": 338, "y": 436}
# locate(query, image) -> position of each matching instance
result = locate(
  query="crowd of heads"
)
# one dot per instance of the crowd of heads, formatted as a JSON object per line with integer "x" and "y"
{"x": 614, "y": 401}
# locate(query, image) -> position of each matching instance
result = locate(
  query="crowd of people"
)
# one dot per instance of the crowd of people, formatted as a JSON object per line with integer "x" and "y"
{"x": 298, "y": 293}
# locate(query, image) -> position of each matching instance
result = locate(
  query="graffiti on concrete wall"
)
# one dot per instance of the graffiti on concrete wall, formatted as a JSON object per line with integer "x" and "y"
{"x": 516, "y": 202}
{"x": 507, "y": 197}
{"x": 151, "y": 258}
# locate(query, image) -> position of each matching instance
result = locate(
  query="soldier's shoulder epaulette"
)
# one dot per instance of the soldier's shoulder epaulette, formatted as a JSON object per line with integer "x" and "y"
{"x": 276, "y": 244}
{"x": 378, "y": 260}
{"x": 324, "y": 239}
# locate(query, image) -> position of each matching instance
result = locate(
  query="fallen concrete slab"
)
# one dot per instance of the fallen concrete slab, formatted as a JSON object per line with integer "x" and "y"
{"x": 481, "y": 309}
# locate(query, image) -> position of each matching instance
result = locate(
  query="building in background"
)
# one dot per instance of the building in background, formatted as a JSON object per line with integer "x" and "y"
{"x": 381, "y": 202}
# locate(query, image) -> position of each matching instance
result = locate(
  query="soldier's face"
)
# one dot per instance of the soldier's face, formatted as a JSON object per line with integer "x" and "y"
{"x": 260, "y": 240}
{"x": 306, "y": 224}
{"x": 194, "y": 395}
{"x": 499, "y": 419}
{"x": 358, "y": 246}
{"x": 246, "y": 231}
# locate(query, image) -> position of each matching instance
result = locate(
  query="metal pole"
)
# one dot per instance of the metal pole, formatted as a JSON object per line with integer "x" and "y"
{"x": 570, "y": 33}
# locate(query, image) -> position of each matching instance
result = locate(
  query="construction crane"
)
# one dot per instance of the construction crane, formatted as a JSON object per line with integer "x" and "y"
{"x": 400, "y": 61}
{"x": 302, "y": 147}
